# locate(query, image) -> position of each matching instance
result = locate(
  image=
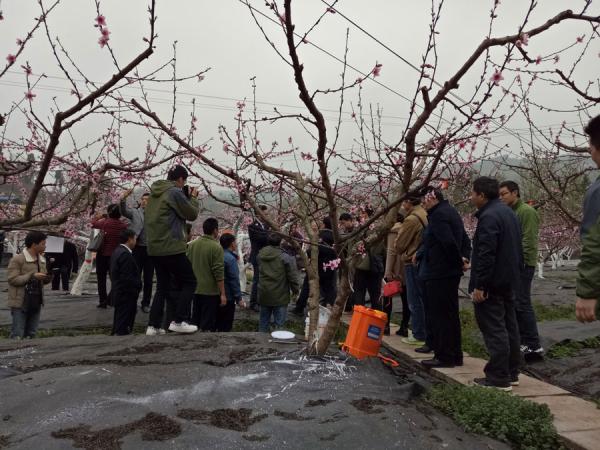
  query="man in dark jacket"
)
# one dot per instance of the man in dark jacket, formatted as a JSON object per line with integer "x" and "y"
{"x": 327, "y": 274}
{"x": 62, "y": 265}
{"x": 166, "y": 213}
{"x": 126, "y": 284}
{"x": 446, "y": 250}
{"x": 497, "y": 263}
{"x": 588, "y": 269}
{"x": 257, "y": 233}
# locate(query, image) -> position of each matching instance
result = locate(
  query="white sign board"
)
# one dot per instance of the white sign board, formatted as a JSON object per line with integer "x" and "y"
{"x": 55, "y": 244}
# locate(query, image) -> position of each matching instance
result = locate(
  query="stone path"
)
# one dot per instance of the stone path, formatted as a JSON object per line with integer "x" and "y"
{"x": 576, "y": 420}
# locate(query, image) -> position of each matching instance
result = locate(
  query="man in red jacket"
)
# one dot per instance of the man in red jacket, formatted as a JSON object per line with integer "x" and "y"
{"x": 111, "y": 225}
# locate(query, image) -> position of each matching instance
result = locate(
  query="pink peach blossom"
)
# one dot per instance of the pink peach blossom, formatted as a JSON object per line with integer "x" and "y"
{"x": 496, "y": 78}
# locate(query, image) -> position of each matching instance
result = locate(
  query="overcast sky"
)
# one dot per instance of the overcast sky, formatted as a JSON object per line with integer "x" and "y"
{"x": 223, "y": 36}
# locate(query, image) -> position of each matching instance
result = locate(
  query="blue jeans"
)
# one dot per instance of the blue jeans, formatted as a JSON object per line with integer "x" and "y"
{"x": 525, "y": 314}
{"x": 279, "y": 314}
{"x": 24, "y": 324}
{"x": 414, "y": 293}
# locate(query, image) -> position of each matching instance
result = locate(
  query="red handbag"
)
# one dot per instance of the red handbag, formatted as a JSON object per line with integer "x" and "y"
{"x": 392, "y": 288}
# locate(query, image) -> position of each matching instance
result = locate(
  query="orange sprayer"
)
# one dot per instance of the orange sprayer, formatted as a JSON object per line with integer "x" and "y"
{"x": 365, "y": 332}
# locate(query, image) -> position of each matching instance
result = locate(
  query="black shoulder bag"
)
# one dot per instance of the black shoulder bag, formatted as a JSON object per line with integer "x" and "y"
{"x": 33, "y": 298}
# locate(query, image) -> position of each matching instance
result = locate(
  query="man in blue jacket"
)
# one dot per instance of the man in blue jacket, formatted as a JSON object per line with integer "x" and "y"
{"x": 444, "y": 256}
{"x": 233, "y": 292}
{"x": 497, "y": 264}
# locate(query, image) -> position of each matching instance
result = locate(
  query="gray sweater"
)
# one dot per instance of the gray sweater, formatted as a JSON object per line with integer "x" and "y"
{"x": 136, "y": 222}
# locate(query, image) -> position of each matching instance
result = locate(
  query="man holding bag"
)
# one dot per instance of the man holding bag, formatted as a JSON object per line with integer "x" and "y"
{"x": 26, "y": 278}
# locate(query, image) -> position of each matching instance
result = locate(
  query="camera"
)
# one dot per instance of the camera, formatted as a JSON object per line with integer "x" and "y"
{"x": 186, "y": 191}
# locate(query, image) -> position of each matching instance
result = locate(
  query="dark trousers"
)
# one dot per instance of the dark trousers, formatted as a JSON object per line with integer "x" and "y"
{"x": 303, "y": 297}
{"x": 366, "y": 281}
{"x": 405, "y": 308}
{"x": 125, "y": 309}
{"x": 254, "y": 290}
{"x": 328, "y": 292}
{"x": 63, "y": 274}
{"x": 497, "y": 321}
{"x": 225, "y": 315}
{"x": 328, "y": 288}
{"x": 175, "y": 278}
{"x": 528, "y": 329}
{"x": 102, "y": 271}
{"x": 146, "y": 267}
{"x": 158, "y": 317}
{"x": 443, "y": 320}
{"x": 205, "y": 311}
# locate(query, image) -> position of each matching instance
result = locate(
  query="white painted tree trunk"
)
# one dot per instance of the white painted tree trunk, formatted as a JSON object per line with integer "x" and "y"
{"x": 85, "y": 269}
{"x": 241, "y": 239}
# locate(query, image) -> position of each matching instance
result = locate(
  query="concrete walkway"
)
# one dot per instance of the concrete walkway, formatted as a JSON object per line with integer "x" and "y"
{"x": 576, "y": 420}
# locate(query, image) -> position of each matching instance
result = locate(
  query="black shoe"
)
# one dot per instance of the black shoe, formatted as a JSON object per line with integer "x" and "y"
{"x": 386, "y": 331}
{"x": 101, "y": 306}
{"x": 435, "y": 363}
{"x": 424, "y": 349}
{"x": 514, "y": 380}
{"x": 402, "y": 331}
{"x": 145, "y": 309}
{"x": 458, "y": 362}
{"x": 531, "y": 355}
{"x": 484, "y": 382}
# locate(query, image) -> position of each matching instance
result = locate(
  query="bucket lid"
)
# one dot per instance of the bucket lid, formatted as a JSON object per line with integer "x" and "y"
{"x": 370, "y": 312}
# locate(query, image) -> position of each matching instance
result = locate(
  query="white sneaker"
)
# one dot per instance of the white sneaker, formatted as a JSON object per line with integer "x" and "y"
{"x": 151, "y": 331}
{"x": 182, "y": 327}
{"x": 161, "y": 331}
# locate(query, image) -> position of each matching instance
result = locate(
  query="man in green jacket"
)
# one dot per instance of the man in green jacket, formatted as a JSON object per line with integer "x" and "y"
{"x": 529, "y": 220}
{"x": 278, "y": 278}
{"x": 170, "y": 205}
{"x": 207, "y": 258}
{"x": 588, "y": 270}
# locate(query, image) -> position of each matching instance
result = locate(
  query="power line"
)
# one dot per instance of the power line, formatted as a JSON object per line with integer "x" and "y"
{"x": 215, "y": 97}
{"x": 411, "y": 65}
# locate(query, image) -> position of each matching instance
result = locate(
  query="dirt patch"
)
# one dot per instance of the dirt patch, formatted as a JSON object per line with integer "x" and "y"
{"x": 335, "y": 418}
{"x": 330, "y": 437}
{"x": 291, "y": 416}
{"x": 153, "y": 427}
{"x": 228, "y": 419}
{"x": 244, "y": 340}
{"x": 320, "y": 402}
{"x": 366, "y": 405}
{"x": 87, "y": 362}
{"x": 152, "y": 347}
{"x": 256, "y": 437}
{"x": 4, "y": 440}
{"x": 240, "y": 356}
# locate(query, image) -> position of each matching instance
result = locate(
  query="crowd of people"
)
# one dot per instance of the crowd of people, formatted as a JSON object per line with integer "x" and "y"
{"x": 427, "y": 252}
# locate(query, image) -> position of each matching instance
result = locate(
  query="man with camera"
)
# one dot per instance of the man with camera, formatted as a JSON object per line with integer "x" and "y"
{"x": 170, "y": 205}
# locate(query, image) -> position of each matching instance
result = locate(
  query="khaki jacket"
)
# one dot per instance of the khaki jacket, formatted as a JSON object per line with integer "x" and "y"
{"x": 20, "y": 270}
{"x": 410, "y": 233}
{"x": 394, "y": 265}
